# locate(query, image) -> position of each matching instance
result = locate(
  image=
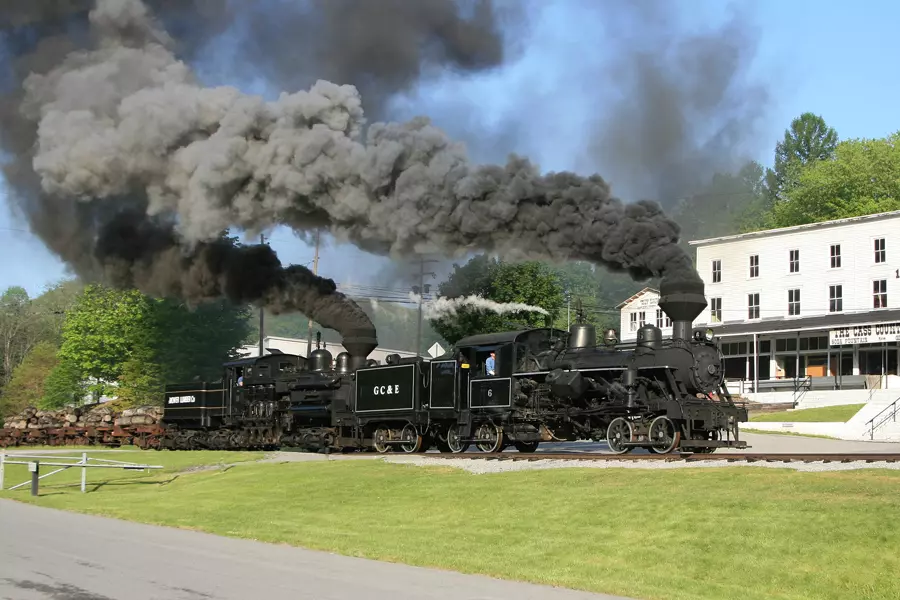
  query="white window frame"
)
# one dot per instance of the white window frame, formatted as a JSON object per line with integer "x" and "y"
{"x": 751, "y": 307}
{"x": 837, "y": 288}
{"x": 833, "y": 256}
{"x": 792, "y": 261}
{"x": 876, "y": 293}
{"x": 715, "y": 310}
{"x": 794, "y": 302}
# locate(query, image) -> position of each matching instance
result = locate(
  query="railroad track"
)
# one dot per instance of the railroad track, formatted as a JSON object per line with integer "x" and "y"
{"x": 683, "y": 457}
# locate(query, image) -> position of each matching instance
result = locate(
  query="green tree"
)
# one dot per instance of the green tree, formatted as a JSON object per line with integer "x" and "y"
{"x": 65, "y": 385}
{"x": 105, "y": 329}
{"x": 52, "y": 306}
{"x": 19, "y": 330}
{"x": 194, "y": 342}
{"x": 808, "y": 140}
{"x": 528, "y": 282}
{"x": 581, "y": 282}
{"x": 27, "y": 384}
{"x": 141, "y": 380}
{"x": 25, "y": 322}
{"x": 862, "y": 178}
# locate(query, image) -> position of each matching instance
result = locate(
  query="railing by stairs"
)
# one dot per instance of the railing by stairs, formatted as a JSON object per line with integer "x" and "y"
{"x": 801, "y": 384}
{"x": 881, "y": 418}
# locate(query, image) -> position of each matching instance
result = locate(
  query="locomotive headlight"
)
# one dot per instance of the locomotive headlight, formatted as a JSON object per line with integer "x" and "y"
{"x": 709, "y": 334}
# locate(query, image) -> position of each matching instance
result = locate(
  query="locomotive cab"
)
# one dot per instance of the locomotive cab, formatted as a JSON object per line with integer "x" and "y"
{"x": 515, "y": 352}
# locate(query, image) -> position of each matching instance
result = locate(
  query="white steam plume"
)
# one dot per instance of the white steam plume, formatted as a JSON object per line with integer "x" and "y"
{"x": 440, "y": 308}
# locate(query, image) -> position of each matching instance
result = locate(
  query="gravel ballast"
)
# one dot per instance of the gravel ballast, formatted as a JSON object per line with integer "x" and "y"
{"x": 484, "y": 466}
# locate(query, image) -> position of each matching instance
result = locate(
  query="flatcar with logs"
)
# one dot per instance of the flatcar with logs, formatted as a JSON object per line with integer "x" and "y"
{"x": 549, "y": 385}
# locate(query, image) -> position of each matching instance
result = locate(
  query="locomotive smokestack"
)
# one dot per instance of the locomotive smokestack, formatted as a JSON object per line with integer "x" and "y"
{"x": 682, "y": 300}
{"x": 359, "y": 343}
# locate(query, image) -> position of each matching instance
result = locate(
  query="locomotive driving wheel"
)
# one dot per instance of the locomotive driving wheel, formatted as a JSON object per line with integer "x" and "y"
{"x": 619, "y": 432}
{"x": 454, "y": 435}
{"x": 494, "y": 435}
{"x": 663, "y": 432}
{"x": 379, "y": 440}
{"x": 412, "y": 440}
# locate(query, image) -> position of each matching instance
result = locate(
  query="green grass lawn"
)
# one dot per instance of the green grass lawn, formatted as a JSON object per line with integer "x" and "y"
{"x": 825, "y": 414}
{"x": 743, "y": 533}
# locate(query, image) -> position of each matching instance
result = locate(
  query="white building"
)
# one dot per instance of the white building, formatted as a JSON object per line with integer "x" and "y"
{"x": 640, "y": 309}
{"x": 298, "y": 346}
{"x": 818, "y": 304}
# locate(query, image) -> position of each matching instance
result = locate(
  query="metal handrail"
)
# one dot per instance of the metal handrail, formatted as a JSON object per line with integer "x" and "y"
{"x": 871, "y": 422}
{"x": 82, "y": 462}
{"x": 799, "y": 384}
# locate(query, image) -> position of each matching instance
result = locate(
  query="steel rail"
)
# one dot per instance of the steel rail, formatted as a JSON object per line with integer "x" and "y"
{"x": 685, "y": 457}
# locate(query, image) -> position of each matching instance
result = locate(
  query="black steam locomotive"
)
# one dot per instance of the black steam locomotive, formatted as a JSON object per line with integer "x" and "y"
{"x": 549, "y": 385}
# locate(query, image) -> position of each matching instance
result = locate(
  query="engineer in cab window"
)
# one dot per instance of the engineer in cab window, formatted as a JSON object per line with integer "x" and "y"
{"x": 489, "y": 364}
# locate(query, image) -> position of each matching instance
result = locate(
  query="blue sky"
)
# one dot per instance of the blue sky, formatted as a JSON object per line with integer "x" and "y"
{"x": 833, "y": 59}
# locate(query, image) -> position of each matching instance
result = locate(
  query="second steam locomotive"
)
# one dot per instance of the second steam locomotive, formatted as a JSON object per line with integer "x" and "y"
{"x": 549, "y": 385}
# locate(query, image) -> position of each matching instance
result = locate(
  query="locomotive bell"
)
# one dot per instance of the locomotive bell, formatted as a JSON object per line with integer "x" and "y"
{"x": 320, "y": 360}
{"x": 611, "y": 337}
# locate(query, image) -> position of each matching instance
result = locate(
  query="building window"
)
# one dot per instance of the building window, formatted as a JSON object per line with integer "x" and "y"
{"x": 716, "y": 271}
{"x": 754, "y": 265}
{"x": 715, "y": 310}
{"x": 633, "y": 322}
{"x": 662, "y": 319}
{"x": 835, "y": 298}
{"x": 836, "y": 256}
{"x": 793, "y": 302}
{"x": 753, "y": 306}
{"x": 880, "y": 254}
{"x": 795, "y": 261}
{"x": 642, "y": 318}
{"x": 879, "y": 289}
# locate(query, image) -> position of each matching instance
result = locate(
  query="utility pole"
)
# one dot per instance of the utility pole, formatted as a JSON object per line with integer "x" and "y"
{"x": 309, "y": 320}
{"x": 421, "y": 290}
{"x": 262, "y": 311}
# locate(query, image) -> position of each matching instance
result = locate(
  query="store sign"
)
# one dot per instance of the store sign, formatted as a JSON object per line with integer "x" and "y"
{"x": 648, "y": 301}
{"x": 865, "y": 334}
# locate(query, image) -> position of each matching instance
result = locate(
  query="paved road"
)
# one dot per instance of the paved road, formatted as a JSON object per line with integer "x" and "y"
{"x": 106, "y": 559}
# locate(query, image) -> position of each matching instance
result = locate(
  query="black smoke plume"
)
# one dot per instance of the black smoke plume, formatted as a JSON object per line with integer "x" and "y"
{"x": 120, "y": 239}
{"x": 382, "y": 47}
{"x": 682, "y": 101}
{"x": 129, "y": 168}
{"x": 136, "y": 252}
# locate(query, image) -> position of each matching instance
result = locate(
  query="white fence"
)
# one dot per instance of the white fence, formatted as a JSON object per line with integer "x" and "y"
{"x": 82, "y": 462}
